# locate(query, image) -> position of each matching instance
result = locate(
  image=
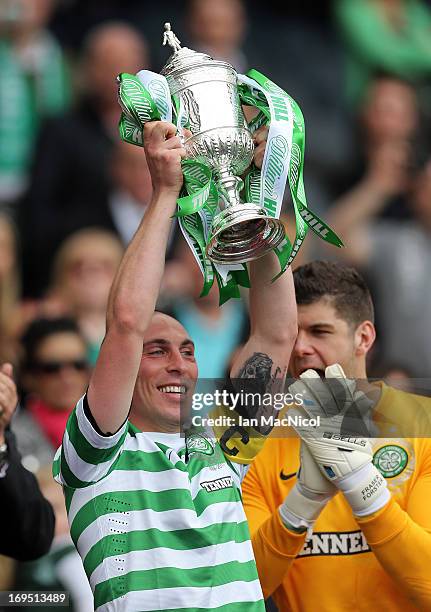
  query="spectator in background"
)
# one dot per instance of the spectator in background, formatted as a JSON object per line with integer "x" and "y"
{"x": 218, "y": 29}
{"x": 70, "y": 177}
{"x": 131, "y": 189}
{"x": 395, "y": 257}
{"x": 35, "y": 84}
{"x": 61, "y": 569}
{"x": 26, "y": 516}
{"x": 384, "y": 35}
{"x": 216, "y": 331}
{"x": 389, "y": 112}
{"x": 55, "y": 374}
{"x": 389, "y": 142}
{"x": 83, "y": 271}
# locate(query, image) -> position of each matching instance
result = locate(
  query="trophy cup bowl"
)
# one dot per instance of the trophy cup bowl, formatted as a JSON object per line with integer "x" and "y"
{"x": 207, "y": 89}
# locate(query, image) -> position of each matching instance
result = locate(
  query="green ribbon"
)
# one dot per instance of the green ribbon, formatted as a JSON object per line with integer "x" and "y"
{"x": 199, "y": 197}
{"x": 198, "y": 190}
{"x": 304, "y": 217}
{"x": 138, "y": 108}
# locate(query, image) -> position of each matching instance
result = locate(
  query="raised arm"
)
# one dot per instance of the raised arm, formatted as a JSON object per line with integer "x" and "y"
{"x": 273, "y": 325}
{"x": 136, "y": 286}
{"x": 260, "y": 367}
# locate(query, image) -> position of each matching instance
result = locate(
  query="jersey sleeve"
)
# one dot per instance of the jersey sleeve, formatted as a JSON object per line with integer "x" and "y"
{"x": 275, "y": 547}
{"x": 401, "y": 539}
{"x": 86, "y": 456}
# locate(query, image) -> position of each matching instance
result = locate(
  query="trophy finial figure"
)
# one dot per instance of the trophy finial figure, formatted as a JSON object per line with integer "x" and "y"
{"x": 170, "y": 39}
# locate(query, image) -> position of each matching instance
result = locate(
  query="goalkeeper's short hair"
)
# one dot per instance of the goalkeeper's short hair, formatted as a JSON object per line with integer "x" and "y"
{"x": 343, "y": 286}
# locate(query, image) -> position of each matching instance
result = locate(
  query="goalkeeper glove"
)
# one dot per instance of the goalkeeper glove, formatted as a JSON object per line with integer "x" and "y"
{"x": 309, "y": 495}
{"x": 344, "y": 460}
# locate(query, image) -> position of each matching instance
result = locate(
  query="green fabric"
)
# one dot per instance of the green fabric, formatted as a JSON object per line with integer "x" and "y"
{"x": 373, "y": 45}
{"x": 172, "y": 577}
{"x": 26, "y": 98}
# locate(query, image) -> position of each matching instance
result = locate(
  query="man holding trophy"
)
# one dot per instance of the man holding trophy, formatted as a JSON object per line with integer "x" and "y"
{"x": 157, "y": 517}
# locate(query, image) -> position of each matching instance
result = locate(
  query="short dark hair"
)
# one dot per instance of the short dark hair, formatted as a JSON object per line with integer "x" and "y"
{"x": 343, "y": 286}
{"x": 41, "y": 328}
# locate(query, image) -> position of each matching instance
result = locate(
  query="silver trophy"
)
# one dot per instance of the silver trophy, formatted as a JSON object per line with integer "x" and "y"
{"x": 220, "y": 139}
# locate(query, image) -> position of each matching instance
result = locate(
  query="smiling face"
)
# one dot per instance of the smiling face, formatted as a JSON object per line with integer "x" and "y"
{"x": 166, "y": 376}
{"x": 324, "y": 338}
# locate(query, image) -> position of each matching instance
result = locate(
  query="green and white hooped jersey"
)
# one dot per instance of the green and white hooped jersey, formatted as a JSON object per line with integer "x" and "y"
{"x": 157, "y": 527}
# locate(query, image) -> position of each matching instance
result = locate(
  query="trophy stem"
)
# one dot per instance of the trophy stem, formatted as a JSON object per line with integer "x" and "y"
{"x": 229, "y": 187}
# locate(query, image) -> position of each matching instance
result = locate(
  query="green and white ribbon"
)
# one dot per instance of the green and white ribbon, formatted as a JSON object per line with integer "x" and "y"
{"x": 157, "y": 87}
{"x": 284, "y": 154}
{"x": 146, "y": 97}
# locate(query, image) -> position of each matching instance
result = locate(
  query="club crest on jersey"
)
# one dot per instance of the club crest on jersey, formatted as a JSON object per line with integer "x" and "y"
{"x": 198, "y": 443}
{"x": 391, "y": 460}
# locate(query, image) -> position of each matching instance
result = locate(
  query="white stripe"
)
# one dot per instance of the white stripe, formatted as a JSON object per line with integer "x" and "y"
{"x": 156, "y": 558}
{"x": 129, "y": 480}
{"x": 58, "y": 478}
{"x": 186, "y": 597}
{"x": 90, "y": 434}
{"x": 135, "y": 480}
{"x": 144, "y": 442}
{"x": 88, "y": 472}
{"x": 169, "y": 520}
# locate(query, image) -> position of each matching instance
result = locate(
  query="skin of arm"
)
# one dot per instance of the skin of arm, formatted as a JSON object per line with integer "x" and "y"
{"x": 273, "y": 324}
{"x": 260, "y": 366}
{"x": 136, "y": 286}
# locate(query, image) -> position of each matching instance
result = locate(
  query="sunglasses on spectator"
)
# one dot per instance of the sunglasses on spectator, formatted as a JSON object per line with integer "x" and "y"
{"x": 54, "y": 367}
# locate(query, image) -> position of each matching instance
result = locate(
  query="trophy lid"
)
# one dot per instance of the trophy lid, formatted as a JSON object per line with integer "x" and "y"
{"x": 184, "y": 58}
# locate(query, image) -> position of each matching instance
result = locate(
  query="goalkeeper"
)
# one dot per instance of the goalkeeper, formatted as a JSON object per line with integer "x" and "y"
{"x": 352, "y": 528}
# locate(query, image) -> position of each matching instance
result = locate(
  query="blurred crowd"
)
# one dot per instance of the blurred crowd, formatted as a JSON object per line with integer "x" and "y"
{"x": 72, "y": 194}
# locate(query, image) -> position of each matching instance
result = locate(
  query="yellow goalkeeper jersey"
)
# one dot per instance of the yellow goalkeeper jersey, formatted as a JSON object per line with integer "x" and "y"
{"x": 378, "y": 563}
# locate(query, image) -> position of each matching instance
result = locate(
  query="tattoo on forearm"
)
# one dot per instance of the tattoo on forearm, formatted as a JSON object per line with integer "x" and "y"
{"x": 258, "y": 368}
{"x": 260, "y": 377}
